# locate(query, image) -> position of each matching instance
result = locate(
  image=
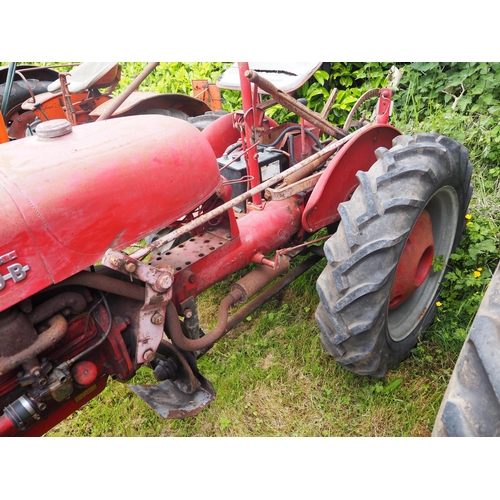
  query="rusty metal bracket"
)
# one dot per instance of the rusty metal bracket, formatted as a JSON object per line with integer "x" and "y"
{"x": 158, "y": 293}
{"x": 68, "y": 104}
{"x": 285, "y": 191}
{"x": 295, "y": 106}
{"x": 183, "y": 391}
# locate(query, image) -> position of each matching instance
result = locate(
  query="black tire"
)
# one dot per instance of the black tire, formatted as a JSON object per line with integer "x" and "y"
{"x": 201, "y": 122}
{"x": 174, "y": 113}
{"x": 426, "y": 172}
{"x": 20, "y": 92}
{"x": 471, "y": 403}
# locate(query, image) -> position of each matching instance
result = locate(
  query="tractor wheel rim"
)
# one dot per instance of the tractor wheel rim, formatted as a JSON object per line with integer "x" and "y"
{"x": 415, "y": 261}
{"x": 404, "y": 316}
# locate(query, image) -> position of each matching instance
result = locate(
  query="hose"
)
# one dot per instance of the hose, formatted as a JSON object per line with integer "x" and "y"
{"x": 8, "y": 86}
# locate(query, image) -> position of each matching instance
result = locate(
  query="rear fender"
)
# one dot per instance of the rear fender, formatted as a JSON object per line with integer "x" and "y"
{"x": 139, "y": 103}
{"x": 339, "y": 181}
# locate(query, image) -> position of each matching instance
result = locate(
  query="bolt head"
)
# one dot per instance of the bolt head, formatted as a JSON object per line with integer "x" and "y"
{"x": 149, "y": 355}
{"x": 130, "y": 267}
{"x": 157, "y": 319}
{"x": 164, "y": 282}
{"x": 114, "y": 261}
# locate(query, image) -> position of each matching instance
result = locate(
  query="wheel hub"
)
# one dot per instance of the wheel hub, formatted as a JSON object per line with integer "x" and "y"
{"x": 415, "y": 262}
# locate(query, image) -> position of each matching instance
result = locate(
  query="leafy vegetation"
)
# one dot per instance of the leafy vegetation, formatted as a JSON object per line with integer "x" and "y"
{"x": 271, "y": 373}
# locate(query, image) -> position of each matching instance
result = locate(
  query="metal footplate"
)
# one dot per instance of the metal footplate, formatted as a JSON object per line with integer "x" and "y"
{"x": 168, "y": 401}
{"x": 182, "y": 391}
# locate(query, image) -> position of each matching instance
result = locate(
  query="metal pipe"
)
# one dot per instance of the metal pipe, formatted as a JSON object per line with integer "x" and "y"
{"x": 244, "y": 288}
{"x": 181, "y": 341}
{"x": 103, "y": 283}
{"x": 57, "y": 330}
{"x": 270, "y": 292}
{"x": 256, "y": 280}
{"x": 293, "y": 105}
{"x": 318, "y": 157}
{"x": 224, "y": 323}
{"x": 118, "y": 101}
{"x": 75, "y": 302}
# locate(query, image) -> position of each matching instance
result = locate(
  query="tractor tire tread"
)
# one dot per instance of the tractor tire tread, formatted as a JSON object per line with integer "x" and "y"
{"x": 363, "y": 254}
{"x": 471, "y": 403}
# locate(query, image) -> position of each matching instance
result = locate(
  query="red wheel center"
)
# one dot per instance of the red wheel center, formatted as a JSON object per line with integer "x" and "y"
{"x": 415, "y": 262}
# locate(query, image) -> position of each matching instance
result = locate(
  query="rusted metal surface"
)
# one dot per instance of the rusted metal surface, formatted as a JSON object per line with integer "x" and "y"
{"x": 168, "y": 401}
{"x": 16, "y": 333}
{"x": 293, "y": 105}
{"x": 57, "y": 328}
{"x": 182, "y": 374}
{"x": 68, "y": 104}
{"x": 289, "y": 189}
{"x": 66, "y": 303}
{"x": 329, "y": 103}
{"x": 239, "y": 293}
{"x": 256, "y": 280}
{"x": 369, "y": 94}
{"x": 297, "y": 176}
{"x": 208, "y": 93}
{"x": 181, "y": 341}
{"x": 141, "y": 102}
{"x": 270, "y": 292}
{"x": 104, "y": 283}
{"x": 196, "y": 248}
{"x": 20, "y": 123}
{"x": 160, "y": 278}
{"x": 158, "y": 293}
{"x": 183, "y": 391}
{"x": 115, "y": 103}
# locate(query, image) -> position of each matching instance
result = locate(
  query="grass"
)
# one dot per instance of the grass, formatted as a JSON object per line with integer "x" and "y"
{"x": 273, "y": 378}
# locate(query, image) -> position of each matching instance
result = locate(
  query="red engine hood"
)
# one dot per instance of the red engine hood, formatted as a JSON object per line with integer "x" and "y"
{"x": 65, "y": 201}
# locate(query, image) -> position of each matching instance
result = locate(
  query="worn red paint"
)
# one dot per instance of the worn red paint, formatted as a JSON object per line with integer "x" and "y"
{"x": 415, "y": 262}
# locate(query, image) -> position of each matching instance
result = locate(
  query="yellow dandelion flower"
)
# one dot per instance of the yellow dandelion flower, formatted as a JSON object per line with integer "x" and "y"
{"x": 439, "y": 304}
{"x": 477, "y": 274}
{"x": 469, "y": 223}
{"x": 479, "y": 268}
{"x": 468, "y": 216}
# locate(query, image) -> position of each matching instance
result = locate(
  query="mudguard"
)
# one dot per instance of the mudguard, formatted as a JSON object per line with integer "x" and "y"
{"x": 339, "y": 181}
{"x": 140, "y": 102}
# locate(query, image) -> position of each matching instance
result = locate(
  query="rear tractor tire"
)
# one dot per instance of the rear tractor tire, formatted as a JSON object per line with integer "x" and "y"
{"x": 379, "y": 289}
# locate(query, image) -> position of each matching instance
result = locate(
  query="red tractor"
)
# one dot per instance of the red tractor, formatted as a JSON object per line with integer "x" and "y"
{"x": 243, "y": 194}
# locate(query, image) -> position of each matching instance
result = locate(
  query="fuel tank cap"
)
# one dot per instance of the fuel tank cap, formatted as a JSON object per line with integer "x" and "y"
{"x": 53, "y": 128}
